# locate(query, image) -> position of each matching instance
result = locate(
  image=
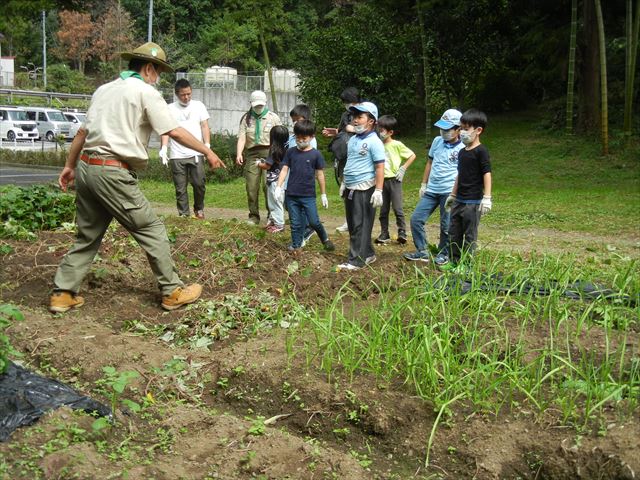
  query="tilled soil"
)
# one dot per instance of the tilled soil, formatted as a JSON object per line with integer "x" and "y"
{"x": 248, "y": 404}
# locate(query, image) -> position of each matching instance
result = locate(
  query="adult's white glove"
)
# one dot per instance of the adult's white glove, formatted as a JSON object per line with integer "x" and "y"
{"x": 423, "y": 190}
{"x": 376, "y": 198}
{"x": 400, "y": 174}
{"x": 342, "y": 189}
{"x": 163, "y": 155}
{"x": 485, "y": 205}
{"x": 325, "y": 200}
{"x": 448, "y": 203}
{"x": 279, "y": 194}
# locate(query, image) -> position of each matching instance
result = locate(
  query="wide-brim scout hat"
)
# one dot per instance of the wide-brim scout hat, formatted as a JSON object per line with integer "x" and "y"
{"x": 150, "y": 52}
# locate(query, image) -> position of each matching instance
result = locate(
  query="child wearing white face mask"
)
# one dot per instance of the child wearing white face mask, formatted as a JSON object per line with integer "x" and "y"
{"x": 398, "y": 159}
{"x": 437, "y": 182}
{"x": 470, "y": 197}
{"x": 303, "y": 165}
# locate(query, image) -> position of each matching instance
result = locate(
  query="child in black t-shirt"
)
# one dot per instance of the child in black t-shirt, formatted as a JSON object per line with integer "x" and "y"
{"x": 471, "y": 194}
{"x": 303, "y": 165}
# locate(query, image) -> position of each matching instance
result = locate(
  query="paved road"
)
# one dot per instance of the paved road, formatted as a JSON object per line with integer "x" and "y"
{"x": 27, "y": 175}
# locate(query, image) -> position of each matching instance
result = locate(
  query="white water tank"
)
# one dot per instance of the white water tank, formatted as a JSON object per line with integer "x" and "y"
{"x": 283, "y": 80}
{"x": 217, "y": 76}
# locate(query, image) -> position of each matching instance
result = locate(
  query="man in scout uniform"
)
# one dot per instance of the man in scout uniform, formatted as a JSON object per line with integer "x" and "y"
{"x": 253, "y": 145}
{"x": 111, "y": 147}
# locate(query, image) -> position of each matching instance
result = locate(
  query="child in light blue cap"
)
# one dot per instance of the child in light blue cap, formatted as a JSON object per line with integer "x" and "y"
{"x": 363, "y": 180}
{"x": 437, "y": 182}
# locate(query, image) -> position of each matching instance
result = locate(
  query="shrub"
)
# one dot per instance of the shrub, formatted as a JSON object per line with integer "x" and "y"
{"x": 25, "y": 210}
{"x": 8, "y": 315}
{"x": 225, "y": 148}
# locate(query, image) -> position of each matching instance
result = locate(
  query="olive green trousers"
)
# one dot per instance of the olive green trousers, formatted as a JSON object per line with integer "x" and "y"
{"x": 102, "y": 194}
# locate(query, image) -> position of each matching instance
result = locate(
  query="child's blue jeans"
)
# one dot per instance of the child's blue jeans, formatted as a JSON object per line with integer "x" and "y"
{"x": 426, "y": 206}
{"x": 302, "y": 209}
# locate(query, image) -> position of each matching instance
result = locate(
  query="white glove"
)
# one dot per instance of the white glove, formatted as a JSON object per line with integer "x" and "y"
{"x": 342, "y": 189}
{"x": 448, "y": 203}
{"x": 376, "y": 198}
{"x": 400, "y": 174}
{"x": 279, "y": 194}
{"x": 258, "y": 162}
{"x": 163, "y": 155}
{"x": 423, "y": 190}
{"x": 325, "y": 200}
{"x": 485, "y": 205}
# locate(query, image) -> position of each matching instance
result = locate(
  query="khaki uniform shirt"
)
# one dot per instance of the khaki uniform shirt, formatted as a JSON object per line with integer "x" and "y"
{"x": 120, "y": 118}
{"x": 269, "y": 121}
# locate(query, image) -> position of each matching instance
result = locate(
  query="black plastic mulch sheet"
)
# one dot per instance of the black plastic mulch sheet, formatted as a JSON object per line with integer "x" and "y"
{"x": 26, "y": 396}
{"x": 578, "y": 290}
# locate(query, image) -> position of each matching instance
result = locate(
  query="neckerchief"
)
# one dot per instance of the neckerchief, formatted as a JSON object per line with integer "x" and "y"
{"x": 258, "y": 121}
{"x": 129, "y": 73}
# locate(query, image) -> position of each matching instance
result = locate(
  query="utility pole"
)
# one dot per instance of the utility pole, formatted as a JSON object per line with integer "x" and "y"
{"x": 149, "y": 35}
{"x": 44, "y": 52}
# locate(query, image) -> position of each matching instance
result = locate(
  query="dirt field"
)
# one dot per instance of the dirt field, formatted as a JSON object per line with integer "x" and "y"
{"x": 228, "y": 401}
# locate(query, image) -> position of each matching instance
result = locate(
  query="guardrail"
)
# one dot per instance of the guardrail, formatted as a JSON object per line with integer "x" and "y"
{"x": 48, "y": 95}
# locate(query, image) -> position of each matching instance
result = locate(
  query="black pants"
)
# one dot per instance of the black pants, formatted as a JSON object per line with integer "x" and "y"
{"x": 392, "y": 197}
{"x": 463, "y": 229}
{"x": 360, "y": 218}
{"x": 188, "y": 171}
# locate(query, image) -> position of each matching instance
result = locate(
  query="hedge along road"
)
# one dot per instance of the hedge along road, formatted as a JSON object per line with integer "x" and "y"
{"x": 11, "y": 174}
{"x": 16, "y": 174}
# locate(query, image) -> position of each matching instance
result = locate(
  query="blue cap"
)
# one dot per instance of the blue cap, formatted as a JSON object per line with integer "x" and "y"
{"x": 449, "y": 119}
{"x": 366, "y": 107}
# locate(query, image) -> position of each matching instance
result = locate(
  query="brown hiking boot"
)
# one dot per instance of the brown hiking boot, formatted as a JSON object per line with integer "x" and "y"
{"x": 182, "y": 296}
{"x": 61, "y": 302}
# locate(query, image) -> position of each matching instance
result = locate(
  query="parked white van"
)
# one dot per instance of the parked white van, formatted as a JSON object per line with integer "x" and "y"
{"x": 15, "y": 125}
{"x": 76, "y": 119}
{"x": 50, "y": 122}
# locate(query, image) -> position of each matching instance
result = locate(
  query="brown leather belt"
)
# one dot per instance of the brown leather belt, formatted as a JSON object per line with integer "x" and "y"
{"x": 103, "y": 161}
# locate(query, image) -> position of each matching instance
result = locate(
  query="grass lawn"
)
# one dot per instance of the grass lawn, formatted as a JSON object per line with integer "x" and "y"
{"x": 542, "y": 179}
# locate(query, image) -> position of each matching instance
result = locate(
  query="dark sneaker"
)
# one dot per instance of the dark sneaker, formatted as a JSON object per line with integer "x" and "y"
{"x": 329, "y": 246}
{"x": 200, "y": 214}
{"x": 402, "y": 238}
{"x": 418, "y": 256}
{"x": 61, "y": 302}
{"x": 307, "y": 236}
{"x": 441, "y": 259}
{"x": 182, "y": 296}
{"x": 383, "y": 238}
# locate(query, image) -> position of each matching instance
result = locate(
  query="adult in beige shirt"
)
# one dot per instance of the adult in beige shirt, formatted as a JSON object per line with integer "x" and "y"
{"x": 111, "y": 147}
{"x": 253, "y": 145}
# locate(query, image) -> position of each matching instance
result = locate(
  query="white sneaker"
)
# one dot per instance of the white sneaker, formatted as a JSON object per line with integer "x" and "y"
{"x": 347, "y": 266}
{"x": 370, "y": 260}
{"x": 343, "y": 228}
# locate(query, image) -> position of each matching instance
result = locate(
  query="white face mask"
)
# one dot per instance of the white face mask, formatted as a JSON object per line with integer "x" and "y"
{"x": 448, "y": 135}
{"x": 347, "y": 106}
{"x": 384, "y": 135}
{"x": 258, "y": 109}
{"x": 184, "y": 104}
{"x": 467, "y": 137}
{"x": 359, "y": 128}
{"x": 302, "y": 145}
